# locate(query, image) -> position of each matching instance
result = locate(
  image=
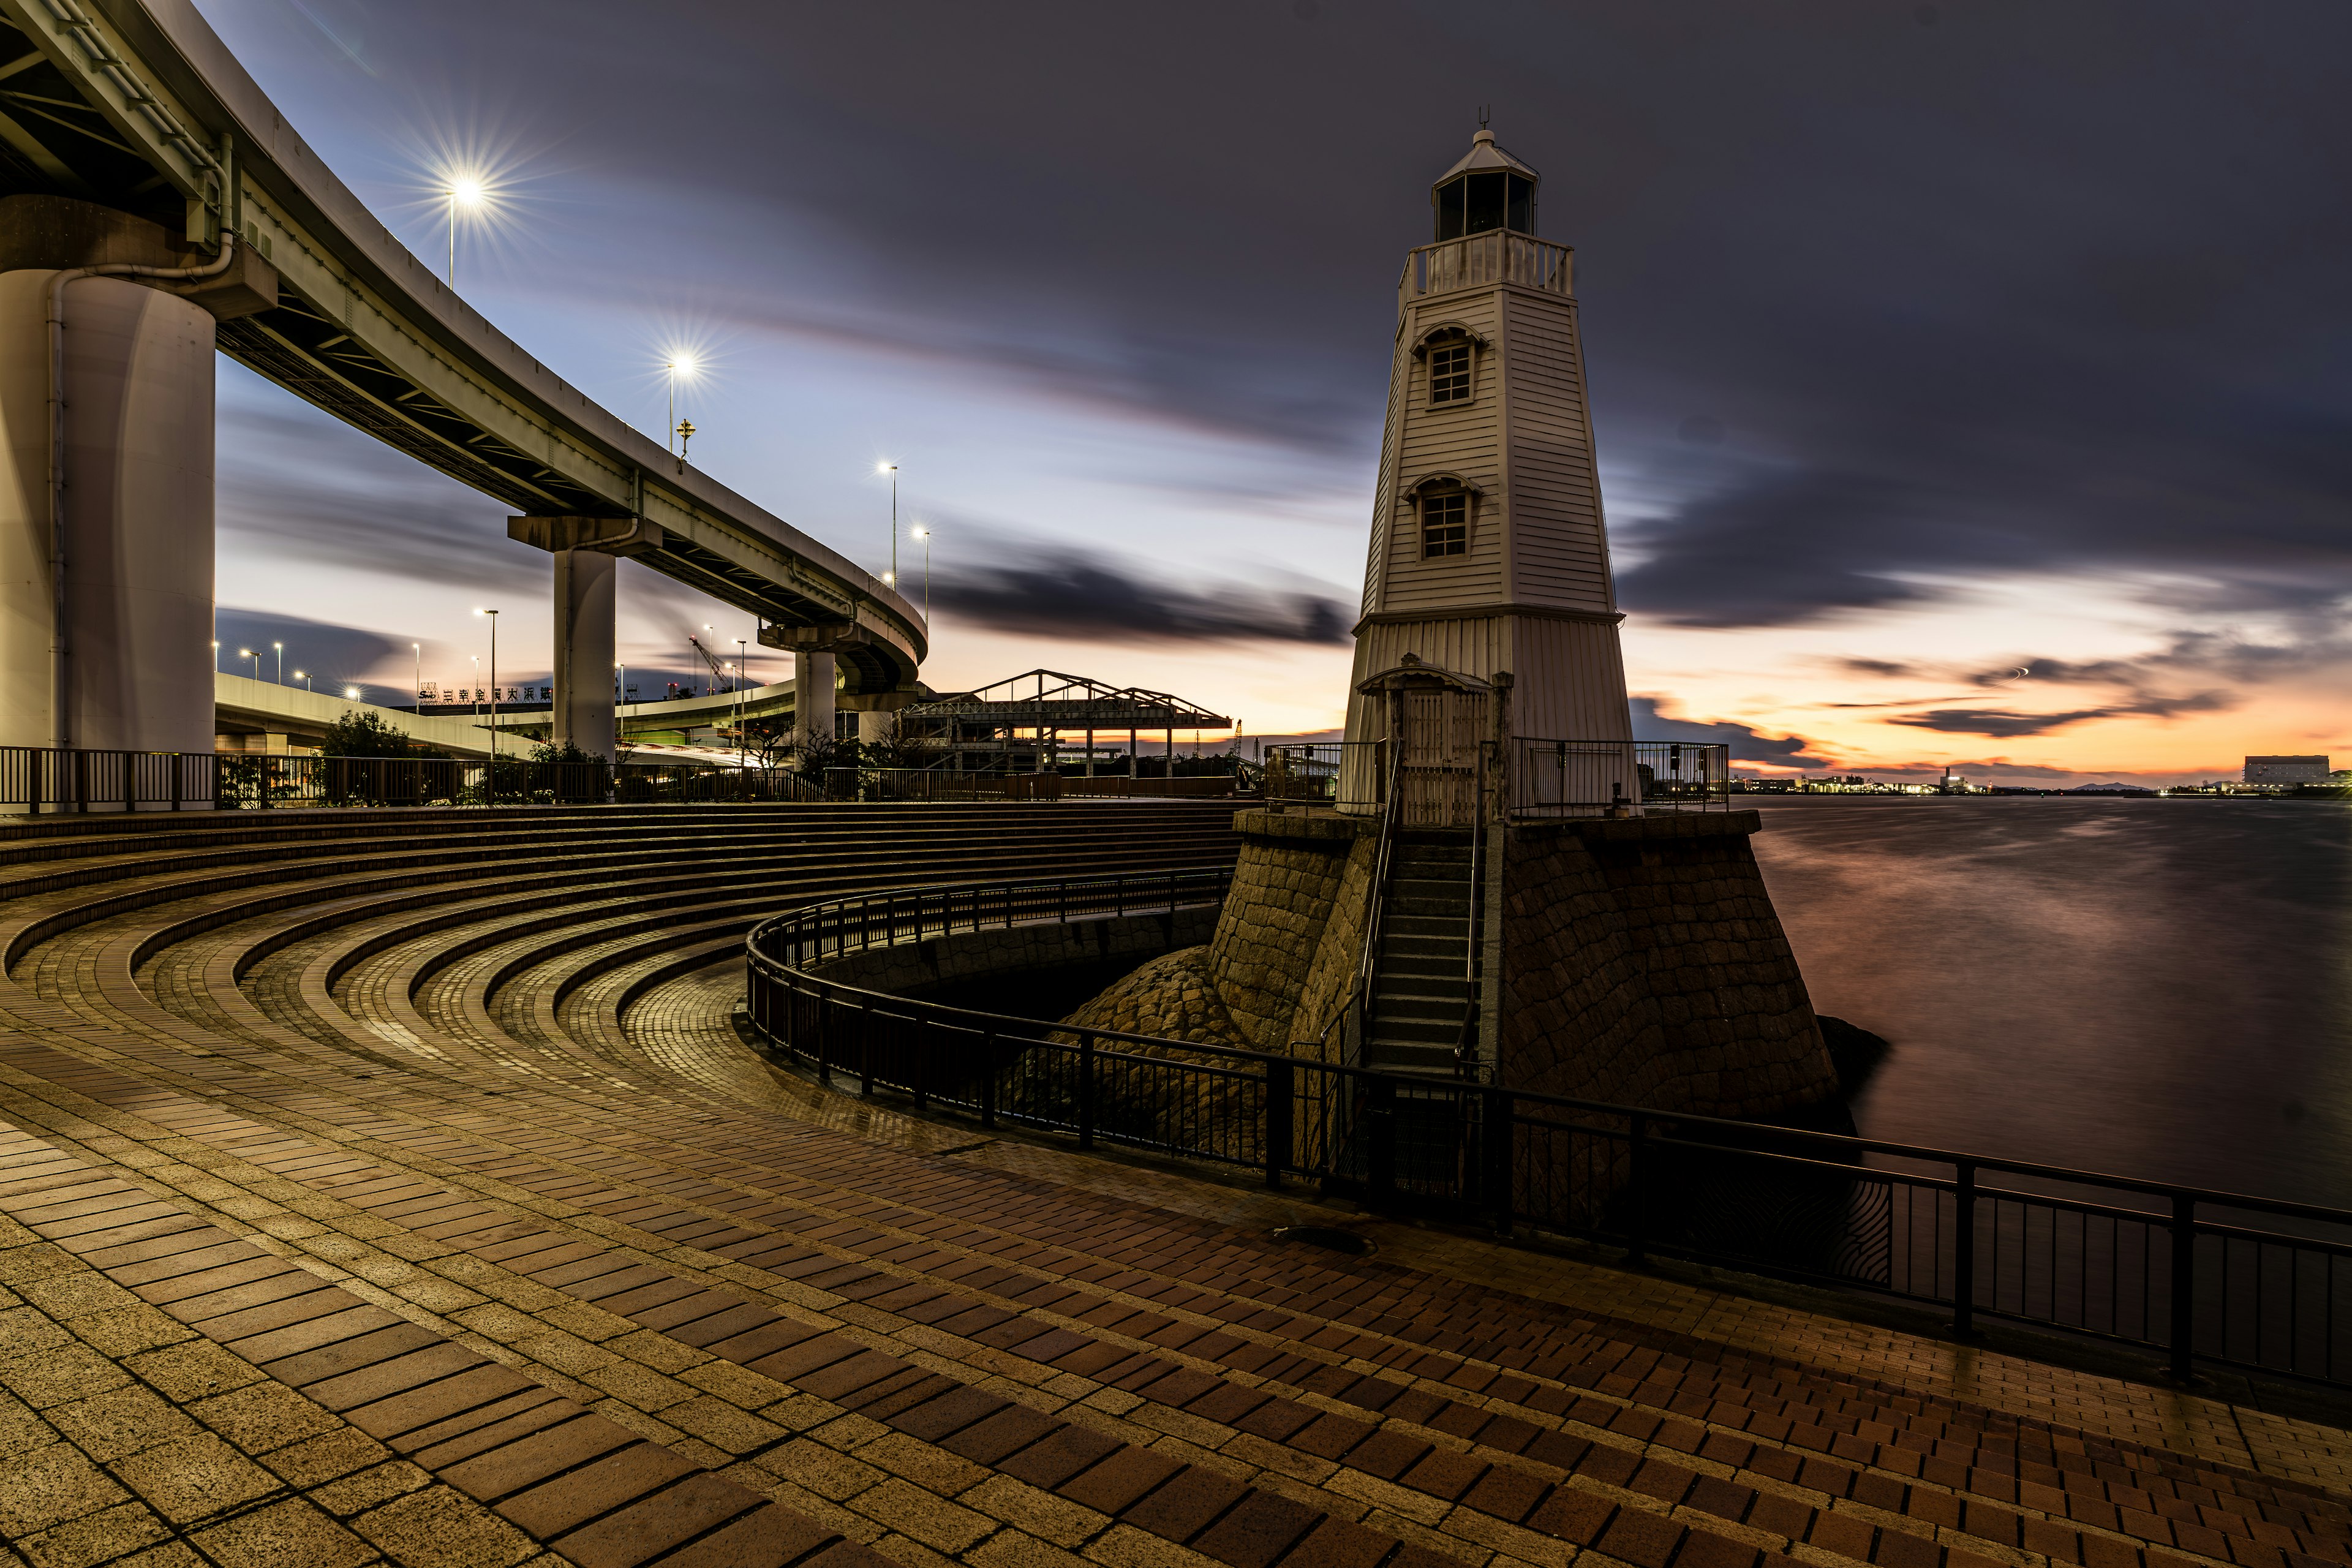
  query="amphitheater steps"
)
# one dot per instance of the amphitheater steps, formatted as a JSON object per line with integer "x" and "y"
{"x": 921, "y": 1353}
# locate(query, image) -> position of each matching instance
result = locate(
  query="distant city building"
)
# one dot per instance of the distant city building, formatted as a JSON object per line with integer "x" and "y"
{"x": 2286, "y": 770}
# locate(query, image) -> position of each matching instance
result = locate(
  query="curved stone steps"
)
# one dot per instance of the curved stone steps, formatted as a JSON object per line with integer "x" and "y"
{"x": 1292, "y": 1395}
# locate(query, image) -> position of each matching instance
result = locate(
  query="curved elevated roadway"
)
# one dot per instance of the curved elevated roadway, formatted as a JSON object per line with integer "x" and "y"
{"x": 138, "y": 105}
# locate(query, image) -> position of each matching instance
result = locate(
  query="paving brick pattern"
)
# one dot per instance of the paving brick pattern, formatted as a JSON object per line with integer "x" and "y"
{"x": 430, "y": 1202}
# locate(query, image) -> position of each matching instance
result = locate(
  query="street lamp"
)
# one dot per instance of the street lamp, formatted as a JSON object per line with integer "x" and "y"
{"x": 304, "y": 678}
{"x": 418, "y": 648}
{"x": 742, "y": 742}
{"x": 679, "y": 432}
{"x": 925, "y": 536}
{"x": 892, "y": 469}
{"x": 281, "y": 661}
{"x": 494, "y": 696}
{"x": 464, "y": 192}
{"x": 478, "y": 683}
{"x": 352, "y": 693}
{"x": 249, "y": 653}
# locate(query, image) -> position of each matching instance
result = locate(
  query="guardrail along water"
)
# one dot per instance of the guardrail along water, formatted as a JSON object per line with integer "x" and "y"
{"x": 2195, "y": 1275}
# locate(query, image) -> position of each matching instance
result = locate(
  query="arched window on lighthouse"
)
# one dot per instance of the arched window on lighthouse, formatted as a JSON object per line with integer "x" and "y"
{"x": 1444, "y": 522}
{"x": 1449, "y": 371}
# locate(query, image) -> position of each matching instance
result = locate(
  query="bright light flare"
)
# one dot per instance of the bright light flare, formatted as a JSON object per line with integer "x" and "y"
{"x": 353, "y": 692}
{"x": 468, "y": 190}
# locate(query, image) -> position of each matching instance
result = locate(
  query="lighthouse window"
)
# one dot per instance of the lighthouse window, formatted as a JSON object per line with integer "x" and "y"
{"x": 1444, "y": 523}
{"x": 1449, "y": 373}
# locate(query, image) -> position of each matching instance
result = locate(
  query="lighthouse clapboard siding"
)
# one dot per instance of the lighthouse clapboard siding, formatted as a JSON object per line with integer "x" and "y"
{"x": 1531, "y": 593}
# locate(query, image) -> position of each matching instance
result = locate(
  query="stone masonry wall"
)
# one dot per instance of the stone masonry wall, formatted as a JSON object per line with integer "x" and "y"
{"x": 1643, "y": 963}
{"x": 1290, "y": 886}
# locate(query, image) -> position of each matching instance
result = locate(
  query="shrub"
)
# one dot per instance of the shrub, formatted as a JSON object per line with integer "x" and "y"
{"x": 357, "y": 734}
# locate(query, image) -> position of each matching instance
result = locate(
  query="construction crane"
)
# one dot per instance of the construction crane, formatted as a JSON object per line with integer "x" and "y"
{"x": 719, "y": 678}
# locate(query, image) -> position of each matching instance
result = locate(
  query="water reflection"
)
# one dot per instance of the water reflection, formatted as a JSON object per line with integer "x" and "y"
{"x": 2153, "y": 987}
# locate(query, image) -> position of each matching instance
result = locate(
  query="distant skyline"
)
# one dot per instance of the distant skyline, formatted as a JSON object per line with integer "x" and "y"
{"x": 1969, "y": 382}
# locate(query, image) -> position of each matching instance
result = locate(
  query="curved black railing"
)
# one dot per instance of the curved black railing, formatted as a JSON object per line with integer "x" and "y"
{"x": 2196, "y": 1274}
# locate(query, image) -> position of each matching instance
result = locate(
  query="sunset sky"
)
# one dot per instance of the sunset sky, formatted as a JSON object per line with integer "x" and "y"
{"x": 1971, "y": 381}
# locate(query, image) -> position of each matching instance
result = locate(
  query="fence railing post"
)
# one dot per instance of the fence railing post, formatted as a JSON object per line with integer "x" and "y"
{"x": 988, "y": 1079}
{"x": 866, "y": 1051}
{"x": 1497, "y": 1135}
{"x": 1086, "y": 1091}
{"x": 1964, "y": 1248}
{"x": 2184, "y": 1285}
{"x": 1380, "y": 1130}
{"x": 1280, "y": 1092}
{"x": 1637, "y": 1196}
{"x": 826, "y": 1009}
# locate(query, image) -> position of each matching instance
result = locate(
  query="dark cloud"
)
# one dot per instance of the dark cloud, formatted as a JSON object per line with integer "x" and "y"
{"x": 333, "y": 655}
{"x": 301, "y": 483}
{"x": 1042, "y": 593}
{"x": 2007, "y": 726}
{"x": 1746, "y": 745}
{"x": 1889, "y": 668}
{"x": 1870, "y": 305}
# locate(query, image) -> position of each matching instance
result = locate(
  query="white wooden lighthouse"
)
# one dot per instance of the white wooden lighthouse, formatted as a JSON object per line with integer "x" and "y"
{"x": 1488, "y": 554}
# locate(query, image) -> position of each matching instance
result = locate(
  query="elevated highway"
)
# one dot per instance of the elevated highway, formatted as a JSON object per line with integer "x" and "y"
{"x": 136, "y": 109}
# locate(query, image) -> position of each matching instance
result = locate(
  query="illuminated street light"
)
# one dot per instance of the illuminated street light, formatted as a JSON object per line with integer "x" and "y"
{"x": 679, "y": 366}
{"x": 892, "y": 469}
{"x": 468, "y": 192}
{"x": 494, "y": 699}
{"x": 924, "y": 534}
{"x": 304, "y": 678}
{"x": 249, "y": 653}
{"x": 742, "y": 741}
{"x": 419, "y": 649}
{"x": 352, "y": 693}
{"x": 281, "y": 661}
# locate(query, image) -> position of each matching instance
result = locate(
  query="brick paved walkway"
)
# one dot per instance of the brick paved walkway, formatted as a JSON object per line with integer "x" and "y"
{"x": 347, "y": 1216}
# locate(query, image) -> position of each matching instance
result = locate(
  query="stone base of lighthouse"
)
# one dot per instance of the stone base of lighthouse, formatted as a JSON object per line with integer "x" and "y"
{"x": 1636, "y": 961}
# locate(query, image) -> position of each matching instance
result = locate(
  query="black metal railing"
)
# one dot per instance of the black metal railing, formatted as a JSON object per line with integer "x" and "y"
{"x": 2195, "y": 1274}
{"x": 1544, "y": 778}
{"x": 36, "y": 779}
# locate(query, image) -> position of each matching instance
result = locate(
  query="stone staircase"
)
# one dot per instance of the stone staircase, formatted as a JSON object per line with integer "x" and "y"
{"x": 1420, "y": 975}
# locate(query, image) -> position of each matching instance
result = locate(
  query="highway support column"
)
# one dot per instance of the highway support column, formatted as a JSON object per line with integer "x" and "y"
{"x": 585, "y": 714}
{"x": 812, "y": 697}
{"x": 106, "y": 583}
{"x": 585, "y": 549}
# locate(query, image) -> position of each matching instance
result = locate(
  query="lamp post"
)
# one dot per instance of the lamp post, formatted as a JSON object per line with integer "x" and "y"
{"x": 418, "y": 648}
{"x": 494, "y": 699}
{"x": 925, "y": 536}
{"x": 742, "y": 740}
{"x": 304, "y": 678}
{"x": 892, "y": 469}
{"x": 249, "y": 653}
{"x": 462, "y": 192}
{"x": 678, "y": 431}
{"x": 351, "y": 694}
{"x": 478, "y": 683}
{"x": 280, "y": 649}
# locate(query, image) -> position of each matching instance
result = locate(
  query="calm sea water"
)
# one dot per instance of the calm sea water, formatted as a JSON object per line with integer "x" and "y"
{"x": 2157, "y": 988}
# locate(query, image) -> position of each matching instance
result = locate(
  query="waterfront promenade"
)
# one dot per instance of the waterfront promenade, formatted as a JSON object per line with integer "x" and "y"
{"x": 394, "y": 1187}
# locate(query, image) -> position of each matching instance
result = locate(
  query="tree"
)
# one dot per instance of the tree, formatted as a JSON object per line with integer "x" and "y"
{"x": 569, "y": 752}
{"x": 357, "y": 734}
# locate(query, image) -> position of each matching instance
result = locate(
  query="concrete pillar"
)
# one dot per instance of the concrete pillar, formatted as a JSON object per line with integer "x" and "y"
{"x": 137, "y": 669}
{"x": 873, "y": 726}
{"x": 584, "y": 712}
{"x": 813, "y": 703}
